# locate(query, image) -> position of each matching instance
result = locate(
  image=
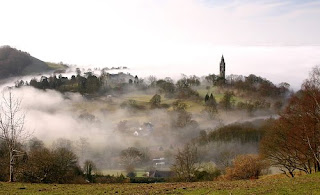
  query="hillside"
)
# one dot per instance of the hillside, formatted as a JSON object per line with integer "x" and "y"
{"x": 307, "y": 184}
{"x": 14, "y": 62}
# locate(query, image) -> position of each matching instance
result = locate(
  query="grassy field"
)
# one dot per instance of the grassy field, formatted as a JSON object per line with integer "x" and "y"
{"x": 307, "y": 184}
{"x": 139, "y": 172}
{"x": 56, "y": 66}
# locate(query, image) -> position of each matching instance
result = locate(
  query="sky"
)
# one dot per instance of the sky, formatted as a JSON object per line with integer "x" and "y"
{"x": 278, "y": 40}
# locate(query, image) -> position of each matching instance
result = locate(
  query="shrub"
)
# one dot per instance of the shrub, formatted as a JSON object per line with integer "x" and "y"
{"x": 155, "y": 101}
{"x": 111, "y": 179}
{"x": 207, "y": 176}
{"x": 147, "y": 179}
{"x": 132, "y": 105}
{"x": 245, "y": 167}
{"x": 46, "y": 166}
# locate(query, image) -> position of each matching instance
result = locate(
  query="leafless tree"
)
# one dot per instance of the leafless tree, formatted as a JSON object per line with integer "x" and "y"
{"x": 82, "y": 146}
{"x": 152, "y": 80}
{"x": 185, "y": 163}
{"x": 130, "y": 157}
{"x": 224, "y": 159}
{"x": 12, "y": 129}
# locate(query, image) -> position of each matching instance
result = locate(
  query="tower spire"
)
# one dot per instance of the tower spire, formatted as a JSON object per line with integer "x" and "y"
{"x": 222, "y": 68}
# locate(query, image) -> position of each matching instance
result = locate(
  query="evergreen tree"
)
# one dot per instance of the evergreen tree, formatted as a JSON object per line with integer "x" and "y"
{"x": 206, "y": 98}
{"x": 211, "y": 97}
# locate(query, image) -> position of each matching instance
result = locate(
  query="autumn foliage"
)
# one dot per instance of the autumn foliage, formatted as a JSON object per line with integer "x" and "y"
{"x": 294, "y": 141}
{"x": 247, "y": 166}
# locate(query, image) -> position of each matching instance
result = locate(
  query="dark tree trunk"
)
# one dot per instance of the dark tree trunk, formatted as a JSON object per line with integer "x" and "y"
{"x": 11, "y": 178}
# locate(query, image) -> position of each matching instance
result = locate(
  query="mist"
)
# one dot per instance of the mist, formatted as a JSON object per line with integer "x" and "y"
{"x": 90, "y": 126}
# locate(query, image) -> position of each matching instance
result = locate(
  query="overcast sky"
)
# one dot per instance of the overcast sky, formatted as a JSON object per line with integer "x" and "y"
{"x": 275, "y": 39}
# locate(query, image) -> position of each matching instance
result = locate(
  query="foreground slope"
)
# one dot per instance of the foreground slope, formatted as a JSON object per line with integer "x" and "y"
{"x": 308, "y": 184}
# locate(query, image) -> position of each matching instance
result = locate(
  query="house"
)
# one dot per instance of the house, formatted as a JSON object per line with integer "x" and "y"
{"x": 144, "y": 130}
{"x": 118, "y": 78}
{"x": 159, "y": 162}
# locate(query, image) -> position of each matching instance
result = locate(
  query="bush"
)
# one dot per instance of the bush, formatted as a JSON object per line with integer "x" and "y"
{"x": 207, "y": 176}
{"x": 245, "y": 167}
{"x": 132, "y": 105}
{"x": 147, "y": 180}
{"x": 46, "y": 166}
{"x": 207, "y": 172}
{"x": 111, "y": 179}
{"x": 155, "y": 101}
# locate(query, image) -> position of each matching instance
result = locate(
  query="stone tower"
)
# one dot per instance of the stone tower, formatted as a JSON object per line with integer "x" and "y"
{"x": 222, "y": 68}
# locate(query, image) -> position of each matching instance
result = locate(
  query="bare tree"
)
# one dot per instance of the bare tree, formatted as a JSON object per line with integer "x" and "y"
{"x": 12, "y": 129}
{"x": 82, "y": 148}
{"x": 224, "y": 159}
{"x": 130, "y": 157}
{"x": 152, "y": 80}
{"x": 185, "y": 163}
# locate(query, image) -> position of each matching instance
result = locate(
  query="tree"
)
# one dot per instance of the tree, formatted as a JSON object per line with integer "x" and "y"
{"x": 50, "y": 166}
{"x": 227, "y": 100}
{"x": 92, "y": 84}
{"x": 184, "y": 119}
{"x": 152, "y": 80}
{"x": 278, "y": 148}
{"x": 35, "y": 144}
{"x": 166, "y": 86}
{"x": 294, "y": 141}
{"x": 206, "y": 98}
{"x": 211, "y": 106}
{"x": 78, "y": 71}
{"x": 155, "y": 101}
{"x": 65, "y": 165}
{"x": 12, "y": 129}
{"x": 88, "y": 169}
{"x": 130, "y": 157}
{"x": 211, "y": 78}
{"x": 82, "y": 146}
{"x": 179, "y": 105}
{"x": 62, "y": 143}
{"x": 224, "y": 159}
{"x": 185, "y": 163}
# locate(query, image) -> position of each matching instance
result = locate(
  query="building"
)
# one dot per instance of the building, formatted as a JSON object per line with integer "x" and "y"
{"x": 222, "y": 69}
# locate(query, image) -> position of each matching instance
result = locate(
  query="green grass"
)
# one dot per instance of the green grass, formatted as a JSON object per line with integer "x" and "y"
{"x": 114, "y": 172}
{"x": 307, "y": 184}
{"x": 216, "y": 93}
{"x": 139, "y": 172}
{"x": 143, "y": 100}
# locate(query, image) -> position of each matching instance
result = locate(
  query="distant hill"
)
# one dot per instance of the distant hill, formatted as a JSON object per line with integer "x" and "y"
{"x": 14, "y": 62}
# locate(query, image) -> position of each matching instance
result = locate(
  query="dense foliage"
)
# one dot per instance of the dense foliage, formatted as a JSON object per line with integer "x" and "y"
{"x": 245, "y": 167}
{"x": 242, "y": 132}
